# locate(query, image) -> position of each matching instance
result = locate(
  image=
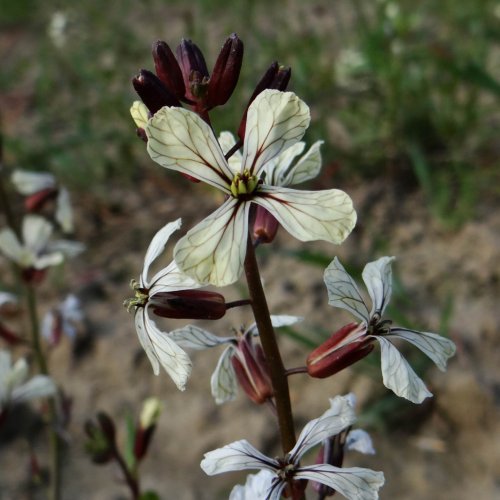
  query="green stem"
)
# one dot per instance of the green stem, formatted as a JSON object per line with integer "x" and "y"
{"x": 55, "y": 463}
{"x": 277, "y": 370}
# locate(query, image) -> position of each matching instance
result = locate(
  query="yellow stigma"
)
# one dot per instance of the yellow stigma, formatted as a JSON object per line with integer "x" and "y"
{"x": 243, "y": 184}
{"x": 139, "y": 300}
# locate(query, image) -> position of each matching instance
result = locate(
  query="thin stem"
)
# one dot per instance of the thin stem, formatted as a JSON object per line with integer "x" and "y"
{"x": 268, "y": 340}
{"x": 132, "y": 482}
{"x": 55, "y": 463}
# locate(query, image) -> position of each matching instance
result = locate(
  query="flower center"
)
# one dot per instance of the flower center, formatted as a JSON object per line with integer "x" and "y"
{"x": 244, "y": 183}
{"x": 139, "y": 300}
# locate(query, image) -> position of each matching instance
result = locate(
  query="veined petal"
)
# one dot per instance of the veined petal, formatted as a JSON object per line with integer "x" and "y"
{"x": 308, "y": 167}
{"x": 353, "y": 483}
{"x": 64, "y": 211}
{"x": 276, "y": 170}
{"x": 193, "y": 337}
{"x": 310, "y": 215}
{"x": 277, "y": 321}
{"x": 399, "y": 376}
{"x": 339, "y": 416}
{"x": 140, "y": 114}
{"x": 255, "y": 488}
{"x": 180, "y": 140}
{"x": 360, "y": 440}
{"x": 437, "y": 348}
{"x": 157, "y": 246}
{"x": 343, "y": 291}
{"x": 223, "y": 382}
{"x": 275, "y": 121}
{"x": 162, "y": 350}
{"x": 227, "y": 141}
{"x": 39, "y": 386}
{"x": 171, "y": 279}
{"x": 240, "y": 455}
{"x": 11, "y": 247}
{"x": 378, "y": 279}
{"x": 28, "y": 183}
{"x": 48, "y": 260}
{"x": 18, "y": 374}
{"x": 36, "y": 232}
{"x": 214, "y": 250}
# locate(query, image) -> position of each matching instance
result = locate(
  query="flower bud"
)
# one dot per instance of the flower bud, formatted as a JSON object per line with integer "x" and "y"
{"x": 168, "y": 70}
{"x": 188, "y": 304}
{"x": 265, "y": 226}
{"x": 225, "y": 73}
{"x": 252, "y": 371}
{"x": 101, "y": 444}
{"x": 194, "y": 69}
{"x": 150, "y": 413}
{"x": 153, "y": 92}
{"x": 342, "y": 349}
{"x": 36, "y": 201}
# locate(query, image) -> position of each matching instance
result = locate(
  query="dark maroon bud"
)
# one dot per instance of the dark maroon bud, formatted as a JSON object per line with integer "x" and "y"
{"x": 194, "y": 69}
{"x": 189, "y": 304}
{"x": 33, "y": 276}
{"x": 168, "y": 69}
{"x": 142, "y": 441}
{"x": 36, "y": 201}
{"x": 342, "y": 349}
{"x": 101, "y": 444}
{"x": 225, "y": 73}
{"x": 141, "y": 133}
{"x": 107, "y": 426}
{"x": 10, "y": 337}
{"x": 153, "y": 92}
{"x": 265, "y": 226}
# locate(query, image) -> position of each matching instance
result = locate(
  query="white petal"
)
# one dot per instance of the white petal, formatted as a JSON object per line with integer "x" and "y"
{"x": 339, "y": 416}
{"x": 7, "y": 298}
{"x": 275, "y": 121}
{"x": 354, "y": 483}
{"x": 278, "y": 169}
{"x": 240, "y": 455}
{"x": 343, "y": 291}
{"x": 48, "y": 260}
{"x": 399, "y": 376}
{"x": 36, "y": 232}
{"x": 360, "y": 440}
{"x": 378, "y": 279}
{"x": 39, "y": 386}
{"x": 140, "y": 114}
{"x": 437, "y": 348}
{"x": 171, "y": 279}
{"x": 68, "y": 248}
{"x": 214, "y": 250}
{"x": 161, "y": 350}
{"x": 223, "y": 382}
{"x": 180, "y": 140}
{"x": 157, "y": 246}
{"x": 64, "y": 211}
{"x": 285, "y": 320}
{"x": 310, "y": 215}
{"x": 227, "y": 141}
{"x": 18, "y": 374}
{"x": 255, "y": 488}
{"x": 308, "y": 167}
{"x": 5, "y": 367}
{"x": 12, "y": 249}
{"x": 193, "y": 337}
{"x": 28, "y": 183}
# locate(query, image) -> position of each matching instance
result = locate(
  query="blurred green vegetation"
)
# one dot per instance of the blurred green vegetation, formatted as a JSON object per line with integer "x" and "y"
{"x": 402, "y": 89}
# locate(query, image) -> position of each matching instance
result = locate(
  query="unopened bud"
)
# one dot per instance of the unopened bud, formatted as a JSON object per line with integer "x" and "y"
{"x": 225, "y": 73}
{"x": 193, "y": 67}
{"x": 265, "y": 226}
{"x": 168, "y": 69}
{"x": 342, "y": 349}
{"x": 153, "y": 92}
{"x": 36, "y": 201}
{"x": 101, "y": 444}
{"x": 188, "y": 304}
{"x": 150, "y": 413}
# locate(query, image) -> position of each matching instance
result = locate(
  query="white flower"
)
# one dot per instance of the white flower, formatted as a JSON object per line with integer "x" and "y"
{"x": 36, "y": 250}
{"x": 396, "y": 372}
{"x": 159, "y": 347}
{"x": 13, "y": 385}
{"x": 214, "y": 250}
{"x": 224, "y": 384}
{"x": 353, "y": 483}
{"x": 64, "y": 319}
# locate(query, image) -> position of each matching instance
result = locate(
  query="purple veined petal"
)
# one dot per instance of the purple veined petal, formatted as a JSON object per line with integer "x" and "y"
{"x": 353, "y": 483}
{"x": 171, "y": 279}
{"x": 339, "y": 416}
{"x": 399, "y": 376}
{"x": 180, "y": 140}
{"x": 277, "y": 169}
{"x": 359, "y": 440}
{"x": 223, "y": 383}
{"x": 36, "y": 232}
{"x": 213, "y": 252}
{"x": 436, "y": 347}
{"x": 39, "y": 386}
{"x": 157, "y": 246}
{"x": 275, "y": 121}
{"x": 343, "y": 291}
{"x": 377, "y": 276}
{"x": 193, "y": 337}
{"x": 240, "y": 455}
{"x": 227, "y": 141}
{"x": 306, "y": 168}
{"x": 310, "y": 215}
{"x": 256, "y": 487}
{"x": 139, "y": 113}
{"x": 161, "y": 350}
{"x": 27, "y": 183}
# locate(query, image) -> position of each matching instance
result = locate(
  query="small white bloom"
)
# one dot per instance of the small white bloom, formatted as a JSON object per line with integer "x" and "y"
{"x": 160, "y": 348}
{"x": 64, "y": 319}
{"x": 214, "y": 250}
{"x": 14, "y": 386}
{"x": 396, "y": 372}
{"x": 36, "y": 250}
{"x": 355, "y": 483}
